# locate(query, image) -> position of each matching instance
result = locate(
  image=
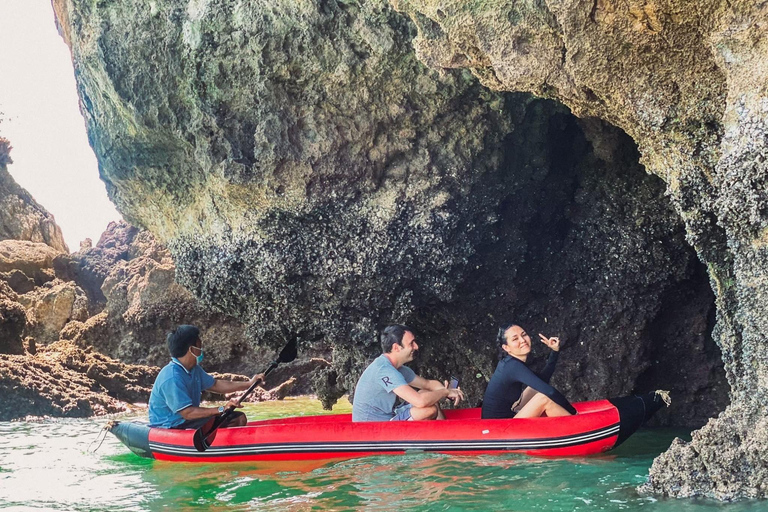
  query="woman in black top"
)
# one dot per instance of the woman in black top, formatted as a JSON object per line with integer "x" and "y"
{"x": 505, "y": 397}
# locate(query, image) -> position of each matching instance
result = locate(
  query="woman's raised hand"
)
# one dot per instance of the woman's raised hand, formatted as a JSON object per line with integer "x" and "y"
{"x": 553, "y": 342}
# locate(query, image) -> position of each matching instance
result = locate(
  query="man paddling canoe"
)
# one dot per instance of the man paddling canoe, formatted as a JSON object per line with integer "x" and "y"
{"x": 175, "y": 398}
{"x": 387, "y": 378}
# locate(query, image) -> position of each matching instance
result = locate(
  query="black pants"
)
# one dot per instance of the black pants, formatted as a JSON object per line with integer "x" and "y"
{"x": 196, "y": 424}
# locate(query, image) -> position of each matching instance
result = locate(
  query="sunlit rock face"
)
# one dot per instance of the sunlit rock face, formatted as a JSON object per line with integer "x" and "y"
{"x": 686, "y": 80}
{"x": 314, "y": 175}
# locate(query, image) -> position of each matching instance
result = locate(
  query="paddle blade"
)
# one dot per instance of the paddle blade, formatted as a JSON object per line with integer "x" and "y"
{"x": 288, "y": 353}
{"x": 204, "y": 436}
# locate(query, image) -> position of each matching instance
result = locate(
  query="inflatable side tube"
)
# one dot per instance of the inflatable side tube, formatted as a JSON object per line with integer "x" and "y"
{"x": 634, "y": 411}
{"x": 135, "y": 436}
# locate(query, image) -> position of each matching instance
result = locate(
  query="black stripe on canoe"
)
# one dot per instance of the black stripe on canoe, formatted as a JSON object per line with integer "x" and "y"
{"x": 389, "y": 446}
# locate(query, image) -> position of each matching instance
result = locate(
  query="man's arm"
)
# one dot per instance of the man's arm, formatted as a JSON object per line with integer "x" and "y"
{"x": 178, "y": 400}
{"x": 222, "y": 387}
{"x": 195, "y": 413}
{"x": 424, "y": 399}
{"x": 428, "y": 385}
{"x": 230, "y": 386}
{"x": 433, "y": 385}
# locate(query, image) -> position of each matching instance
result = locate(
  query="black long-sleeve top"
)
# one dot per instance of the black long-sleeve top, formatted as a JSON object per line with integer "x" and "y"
{"x": 507, "y": 383}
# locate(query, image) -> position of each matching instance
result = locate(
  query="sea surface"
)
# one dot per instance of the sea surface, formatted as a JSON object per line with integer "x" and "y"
{"x": 48, "y": 465}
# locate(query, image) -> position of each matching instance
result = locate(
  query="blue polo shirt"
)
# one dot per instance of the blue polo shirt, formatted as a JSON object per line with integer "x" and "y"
{"x": 176, "y": 388}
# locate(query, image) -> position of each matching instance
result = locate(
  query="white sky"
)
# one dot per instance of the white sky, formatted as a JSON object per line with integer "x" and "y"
{"x": 42, "y": 120}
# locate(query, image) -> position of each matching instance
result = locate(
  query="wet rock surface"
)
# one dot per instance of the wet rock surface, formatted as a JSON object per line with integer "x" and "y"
{"x": 309, "y": 174}
{"x": 733, "y": 468}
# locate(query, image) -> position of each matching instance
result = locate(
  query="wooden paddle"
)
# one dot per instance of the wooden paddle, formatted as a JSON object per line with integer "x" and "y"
{"x": 205, "y": 435}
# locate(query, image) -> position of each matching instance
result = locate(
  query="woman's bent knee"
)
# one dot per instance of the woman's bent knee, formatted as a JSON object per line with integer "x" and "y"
{"x": 540, "y": 398}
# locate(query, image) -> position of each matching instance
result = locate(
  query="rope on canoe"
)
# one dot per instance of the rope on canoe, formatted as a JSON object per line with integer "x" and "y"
{"x": 664, "y": 395}
{"x": 101, "y": 434}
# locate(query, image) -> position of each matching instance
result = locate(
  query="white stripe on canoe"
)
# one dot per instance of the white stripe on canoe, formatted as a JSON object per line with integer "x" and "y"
{"x": 318, "y": 447}
{"x": 426, "y": 445}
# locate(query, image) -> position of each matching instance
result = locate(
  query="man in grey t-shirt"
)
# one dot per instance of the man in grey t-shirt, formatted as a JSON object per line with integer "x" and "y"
{"x": 386, "y": 378}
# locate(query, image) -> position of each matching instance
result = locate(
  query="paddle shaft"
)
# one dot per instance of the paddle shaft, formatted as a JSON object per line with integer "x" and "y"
{"x": 200, "y": 438}
{"x": 229, "y": 410}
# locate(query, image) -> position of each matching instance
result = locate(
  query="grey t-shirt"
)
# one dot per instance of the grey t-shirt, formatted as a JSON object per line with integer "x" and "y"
{"x": 374, "y": 396}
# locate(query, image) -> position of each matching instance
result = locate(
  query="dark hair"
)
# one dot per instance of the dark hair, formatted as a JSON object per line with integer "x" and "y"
{"x": 181, "y": 339}
{"x": 393, "y": 334}
{"x": 501, "y": 339}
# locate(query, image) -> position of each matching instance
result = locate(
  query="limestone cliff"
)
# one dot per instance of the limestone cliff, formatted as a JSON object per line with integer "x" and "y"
{"x": 312, "y": 173}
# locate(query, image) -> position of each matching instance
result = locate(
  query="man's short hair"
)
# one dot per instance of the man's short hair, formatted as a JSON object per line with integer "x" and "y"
{"x": 393, "y": 334}
{"x": 181, "y": 339}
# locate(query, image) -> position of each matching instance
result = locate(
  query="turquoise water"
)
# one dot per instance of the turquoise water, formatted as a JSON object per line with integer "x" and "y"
{"x": 46, "y": 466}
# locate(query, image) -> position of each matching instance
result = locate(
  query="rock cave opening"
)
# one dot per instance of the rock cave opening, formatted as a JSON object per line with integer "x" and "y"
{"x": 585, "y": 244}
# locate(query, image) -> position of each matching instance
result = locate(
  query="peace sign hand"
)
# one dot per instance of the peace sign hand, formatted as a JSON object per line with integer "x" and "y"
{"x": 553, "y": 342}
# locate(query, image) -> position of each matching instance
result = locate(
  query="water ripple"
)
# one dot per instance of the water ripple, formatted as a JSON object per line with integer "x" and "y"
{"x": 45, "y": 466}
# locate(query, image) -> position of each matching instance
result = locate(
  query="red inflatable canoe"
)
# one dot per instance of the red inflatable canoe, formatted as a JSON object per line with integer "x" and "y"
{"x": 598, "y": 427}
